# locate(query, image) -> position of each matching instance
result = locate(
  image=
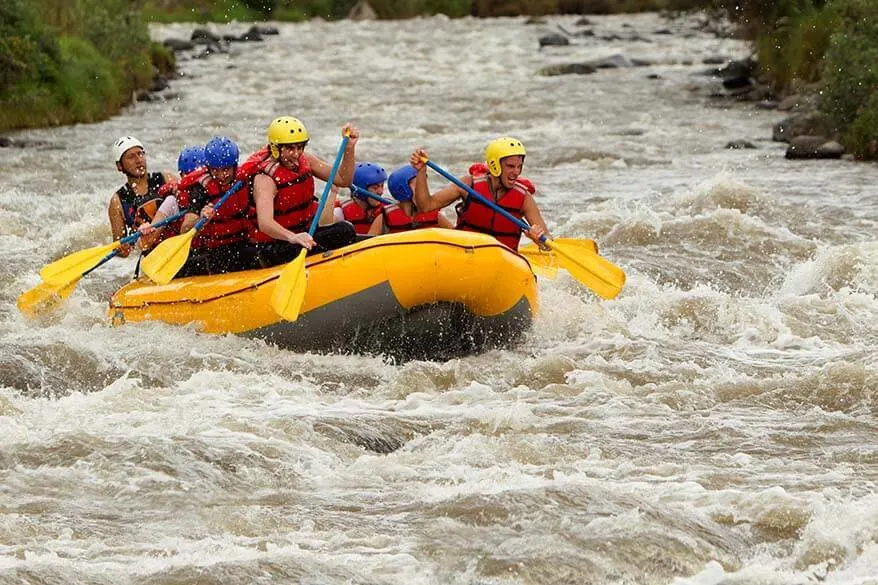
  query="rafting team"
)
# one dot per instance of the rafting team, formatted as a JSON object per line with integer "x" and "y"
{"x": 266, "y": 219}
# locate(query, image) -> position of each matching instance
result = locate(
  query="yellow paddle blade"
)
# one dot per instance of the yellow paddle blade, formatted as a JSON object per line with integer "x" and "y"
{"x": 44, "y": 298}
{"x": 597, "y": 273}
{"x": 166, "y": 260}
{"x": 70, "y": 268}
{"x": 289, "y": 291}
{"x": 545, "y": 262}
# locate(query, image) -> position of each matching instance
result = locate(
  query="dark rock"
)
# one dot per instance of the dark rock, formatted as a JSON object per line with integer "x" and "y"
{"x": 739, "y": 144}
{"x": 536, "y": 20}
{"x": 663, "y": 31}
{"x": 232, "y": 38}
{"x": 202, "y": 36}
{"x": 553, "y": 40}
{"x": 737, "y": 82}
{"x": 831, "y": 149}
{"x": 6, "y": 142}
{"x": 268, "y": 30}
{"x": 654, "y": 76}
{"x": 794, "y": 103}
{"x": 178, "y": 44}
{"x": 159, "y": 83}
{"x": 568, "y": 69}
{"x": 811, "y": 124}
{"x": 734, "y": 69}
{"x": 717, "y": 60}
{"x": 642, "y": 63}
{"x": 252, "y": 35}
{"x": 811, "y": 147}
{"x": 583, "y": 22}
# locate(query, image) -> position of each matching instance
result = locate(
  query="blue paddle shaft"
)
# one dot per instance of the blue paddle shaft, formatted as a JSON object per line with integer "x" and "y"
{"x": 370, "y": 195}
{"x": 235, "y": 186}
{"x": 136, "y": 235}
{"x": 103, "y": 261}
{"x": 473, "y": 193}
{"x": 316, "y": 221}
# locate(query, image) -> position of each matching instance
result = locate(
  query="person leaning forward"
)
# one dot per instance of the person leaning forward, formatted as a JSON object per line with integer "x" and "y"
{"x": 221, "y": 244}
{"x": 498, "y": 179}
{"x": 134, "y": 202}
{"x": 283, "y": 195}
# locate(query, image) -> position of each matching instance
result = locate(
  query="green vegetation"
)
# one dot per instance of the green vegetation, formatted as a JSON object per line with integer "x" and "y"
{"x": 67, "y": 61}
{"x": 833, "y": 43}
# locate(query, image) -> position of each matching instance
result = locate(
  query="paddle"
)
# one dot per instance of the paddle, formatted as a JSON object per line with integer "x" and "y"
{"x": 597, "y": 273}
{"x": 289, "y": 291}
{"x": 65, "y": 274}
{"x": 46, "y": 296}
{"x": 370, "y": 195}
{"x": 545, "y": 263}
{"x": 74, "y": 266}
{"x": 166, "y": 260}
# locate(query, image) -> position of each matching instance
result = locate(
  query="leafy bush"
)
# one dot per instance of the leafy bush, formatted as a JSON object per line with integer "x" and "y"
{"x": 851, "y": 68}
{"x": 28, "y": 52}
{"x": 861, "y": 137}
{"x": 87, "y": 83}
{"x": 794, "y": 47}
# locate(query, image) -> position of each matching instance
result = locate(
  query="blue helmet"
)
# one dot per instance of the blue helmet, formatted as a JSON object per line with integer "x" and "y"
{"x": 367, "y": 174}
{"x": 191, "y": 157}
{"x": 221, "y": 152}
{"x": 398, "y": 183}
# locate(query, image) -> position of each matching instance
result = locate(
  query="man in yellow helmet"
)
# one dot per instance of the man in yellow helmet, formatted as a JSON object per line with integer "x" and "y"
{"x": 498, "y": 179}
{"x": 283, "y": 194}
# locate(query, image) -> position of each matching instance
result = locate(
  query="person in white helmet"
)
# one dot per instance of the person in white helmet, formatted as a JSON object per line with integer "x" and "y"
{"x": 130, "y": 205}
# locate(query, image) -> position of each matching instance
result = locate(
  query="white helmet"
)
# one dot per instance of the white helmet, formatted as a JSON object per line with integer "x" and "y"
{"x": 123, "y": 145}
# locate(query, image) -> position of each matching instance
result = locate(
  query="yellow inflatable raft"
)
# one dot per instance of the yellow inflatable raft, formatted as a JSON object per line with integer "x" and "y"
{"x": 425, "y": 294}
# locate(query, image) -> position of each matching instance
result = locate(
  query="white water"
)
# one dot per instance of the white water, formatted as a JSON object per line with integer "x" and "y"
{"x": 714, "y": 424}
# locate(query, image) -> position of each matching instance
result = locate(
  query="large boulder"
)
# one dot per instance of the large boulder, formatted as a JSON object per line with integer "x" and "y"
{"x": 803, "y": 147}
{"x": 806, "y": 124}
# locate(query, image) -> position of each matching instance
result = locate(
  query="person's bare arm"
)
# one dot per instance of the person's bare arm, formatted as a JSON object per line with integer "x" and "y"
{"x": 117, "y": 223}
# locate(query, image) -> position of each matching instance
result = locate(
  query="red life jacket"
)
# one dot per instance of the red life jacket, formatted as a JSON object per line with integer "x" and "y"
{"x": 475, "y": 216}
{"x": 361, "y": 218}
{"x": 396, "y": 220}
{"x": 231, "y": 223}
{"x": 294, "y": 204}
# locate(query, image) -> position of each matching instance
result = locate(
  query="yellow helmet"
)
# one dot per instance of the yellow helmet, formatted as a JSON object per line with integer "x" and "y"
{"x": 501, "y": 148}
{"x": 285, "y": 130}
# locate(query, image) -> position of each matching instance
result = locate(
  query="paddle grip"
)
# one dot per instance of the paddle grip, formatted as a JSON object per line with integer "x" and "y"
{"x": 326, "y": 189}
{"x": 235, "y": 186}
{"x": 473, "y": 193}
{"x": 370, "y": 195}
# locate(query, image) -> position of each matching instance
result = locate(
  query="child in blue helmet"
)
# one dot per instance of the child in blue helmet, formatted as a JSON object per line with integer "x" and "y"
{"x": 366, "y": 202}
{"x": 404, "y": 216}
{"x": 220, "y": 245}
{"x": 191, "y": 159}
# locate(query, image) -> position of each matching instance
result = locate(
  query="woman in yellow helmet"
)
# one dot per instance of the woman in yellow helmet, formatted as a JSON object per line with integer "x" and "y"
{"x": 498, "y": 179}
{"x": 283, "y": 194}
